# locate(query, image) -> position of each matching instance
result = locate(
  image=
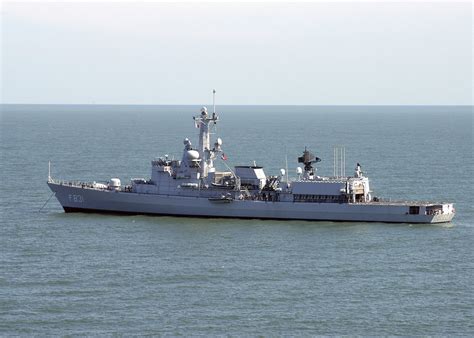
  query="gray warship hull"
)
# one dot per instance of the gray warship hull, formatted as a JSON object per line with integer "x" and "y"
{"x": 79, "y": 198}
{"x": 194, "y": 187}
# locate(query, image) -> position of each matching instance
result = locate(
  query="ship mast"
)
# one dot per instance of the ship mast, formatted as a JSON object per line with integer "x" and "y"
{"x": 205, "y": 122}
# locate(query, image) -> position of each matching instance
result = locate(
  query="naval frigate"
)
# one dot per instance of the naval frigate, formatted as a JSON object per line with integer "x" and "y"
{"x": 194, "y": 187}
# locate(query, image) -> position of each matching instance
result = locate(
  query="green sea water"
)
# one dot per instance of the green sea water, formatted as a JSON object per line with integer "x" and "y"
{"x": 90, "y": 274}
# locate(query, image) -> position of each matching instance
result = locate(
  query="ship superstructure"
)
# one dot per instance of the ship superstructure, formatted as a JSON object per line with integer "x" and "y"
{"x": 193, "y": 187}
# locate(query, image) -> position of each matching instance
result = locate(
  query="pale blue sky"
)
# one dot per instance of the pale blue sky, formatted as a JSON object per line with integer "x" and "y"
{"x": 268, "y": 53}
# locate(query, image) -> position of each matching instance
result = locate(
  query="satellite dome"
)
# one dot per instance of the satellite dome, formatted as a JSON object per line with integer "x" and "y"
{"x": 192, "y": 155}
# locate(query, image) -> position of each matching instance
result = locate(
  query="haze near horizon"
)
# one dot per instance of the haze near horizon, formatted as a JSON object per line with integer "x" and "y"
{"x": 265, "y": 53}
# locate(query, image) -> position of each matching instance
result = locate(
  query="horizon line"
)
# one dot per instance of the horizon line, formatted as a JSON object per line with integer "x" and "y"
{"x": 273, "y": 105}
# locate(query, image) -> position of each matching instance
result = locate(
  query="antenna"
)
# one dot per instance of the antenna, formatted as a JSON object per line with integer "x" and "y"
{"x": 339, "y": 161}
{"x": 344, "y": 163}
{"x": 286, "y": 167}
{"x": 342, "y": 160}
{"x": 49, "y": 171}
{"x": 214, "y": 101}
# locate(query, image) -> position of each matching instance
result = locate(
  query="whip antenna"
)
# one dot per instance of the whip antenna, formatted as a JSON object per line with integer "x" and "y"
{"x": 214, "y": 101}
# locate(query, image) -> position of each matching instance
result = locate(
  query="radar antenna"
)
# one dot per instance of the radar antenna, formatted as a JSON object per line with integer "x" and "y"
{"x": 308, "y": 159}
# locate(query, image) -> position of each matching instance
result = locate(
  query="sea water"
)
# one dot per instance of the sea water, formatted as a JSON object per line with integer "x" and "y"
{"x": 92, "y": 274}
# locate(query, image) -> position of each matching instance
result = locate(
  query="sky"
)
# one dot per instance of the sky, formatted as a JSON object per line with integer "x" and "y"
{"x": 277, "y": 53}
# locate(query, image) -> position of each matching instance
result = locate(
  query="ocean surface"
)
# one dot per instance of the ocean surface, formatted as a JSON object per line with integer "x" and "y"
{"x": 91, "y": 274}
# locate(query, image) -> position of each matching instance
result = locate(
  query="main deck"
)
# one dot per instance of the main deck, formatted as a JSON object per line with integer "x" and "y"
{"x": 81, "y": 196}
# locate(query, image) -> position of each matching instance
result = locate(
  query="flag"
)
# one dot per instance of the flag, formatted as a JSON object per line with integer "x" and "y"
{"x": 224, "y": 157}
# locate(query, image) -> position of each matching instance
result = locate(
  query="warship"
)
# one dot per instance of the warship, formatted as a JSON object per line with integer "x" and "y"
{"x": 194, "y": 187}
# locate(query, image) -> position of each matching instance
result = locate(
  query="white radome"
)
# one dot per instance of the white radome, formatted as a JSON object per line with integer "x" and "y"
{"x": 192, "y": 155}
